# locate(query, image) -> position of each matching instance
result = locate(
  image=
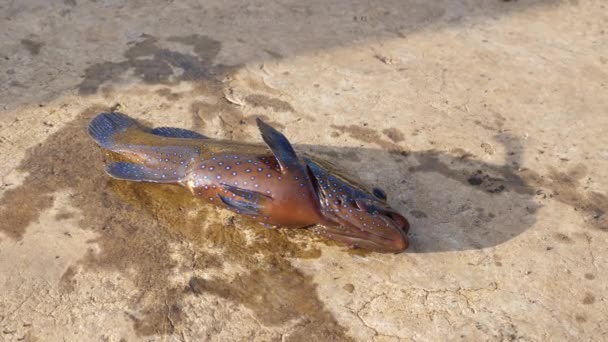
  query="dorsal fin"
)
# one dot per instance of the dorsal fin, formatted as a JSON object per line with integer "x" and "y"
{"x": 280, "y": 147}
{"x": 173, "y": 132}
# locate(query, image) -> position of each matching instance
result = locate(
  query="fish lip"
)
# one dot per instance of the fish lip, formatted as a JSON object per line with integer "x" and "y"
{"x": 399, "y": 221}
{"x": 380, "y": 244}
{"x": 401, "y": 227}
{"x": 374, "y": 239}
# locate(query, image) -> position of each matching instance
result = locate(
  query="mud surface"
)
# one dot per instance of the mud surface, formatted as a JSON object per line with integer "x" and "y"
{"x": 480, "y": 120}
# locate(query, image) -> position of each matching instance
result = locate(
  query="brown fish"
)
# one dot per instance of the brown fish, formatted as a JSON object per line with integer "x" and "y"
{"x": 269, "y": 183}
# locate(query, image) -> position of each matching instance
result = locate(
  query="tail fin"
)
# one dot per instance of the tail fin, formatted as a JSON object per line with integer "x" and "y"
{"x": 105, "y": 125}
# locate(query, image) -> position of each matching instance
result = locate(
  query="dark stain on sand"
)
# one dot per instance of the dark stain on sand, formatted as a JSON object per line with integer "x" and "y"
{"x": 395, "y": 134}
{"x": 588, "y": 299}
{"x": 266, "y": 102}
{"x": 168, "y": 94}
{"x": 153, "y": 64}
{"x": 567, "y": 186}
{"x": 32, "y": 46}
{"x": 136, "y": 224}
{"x": 67, "y": 283}
{"x": 563, "y": 238}
{"x": 367, "y": 135}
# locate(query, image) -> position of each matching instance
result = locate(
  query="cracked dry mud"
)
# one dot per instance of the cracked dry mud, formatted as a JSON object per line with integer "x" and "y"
{"x": 482, "y": 120}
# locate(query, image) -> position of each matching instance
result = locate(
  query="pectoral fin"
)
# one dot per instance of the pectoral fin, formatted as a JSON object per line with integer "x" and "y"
{"x": 250, "y": 202}
{"x": 247, "y": 194}
{"x": 241, "y": 207}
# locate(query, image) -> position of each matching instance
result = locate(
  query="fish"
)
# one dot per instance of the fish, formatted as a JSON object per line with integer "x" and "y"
{"x": 269, "y": 182}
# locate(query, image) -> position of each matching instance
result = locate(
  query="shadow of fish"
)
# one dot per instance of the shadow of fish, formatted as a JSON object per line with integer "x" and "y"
{"x": 269, "y": 183}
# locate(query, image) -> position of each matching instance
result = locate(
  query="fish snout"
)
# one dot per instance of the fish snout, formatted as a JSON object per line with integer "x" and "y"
{"x": 402, "y": 226}
{"x": 381, "y": 229}
{"x": 399, "y": 220}
{"x": 393, "y": 234}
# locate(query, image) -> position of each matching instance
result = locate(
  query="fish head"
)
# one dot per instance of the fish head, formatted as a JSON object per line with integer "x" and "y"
{"x": 355, "y": 215}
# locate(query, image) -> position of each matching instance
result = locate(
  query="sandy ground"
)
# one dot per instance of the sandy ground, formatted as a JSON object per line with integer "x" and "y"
{"x": 484, "y": 121}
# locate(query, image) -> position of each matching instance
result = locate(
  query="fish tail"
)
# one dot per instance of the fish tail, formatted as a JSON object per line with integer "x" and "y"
{"x": 105, "y": 126}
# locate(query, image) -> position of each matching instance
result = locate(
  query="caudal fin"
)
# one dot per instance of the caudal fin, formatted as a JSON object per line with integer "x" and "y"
{"x": 106, "y": 125}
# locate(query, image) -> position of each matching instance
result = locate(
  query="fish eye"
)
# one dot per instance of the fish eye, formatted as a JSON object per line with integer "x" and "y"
{"x": 379, "y": 193}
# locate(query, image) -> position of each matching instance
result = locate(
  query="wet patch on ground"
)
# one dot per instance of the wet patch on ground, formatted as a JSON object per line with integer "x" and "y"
{"x": 147, "y": 60}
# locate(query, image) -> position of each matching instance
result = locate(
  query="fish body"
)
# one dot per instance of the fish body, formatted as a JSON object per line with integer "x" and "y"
{"x": 271, "y": 183}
